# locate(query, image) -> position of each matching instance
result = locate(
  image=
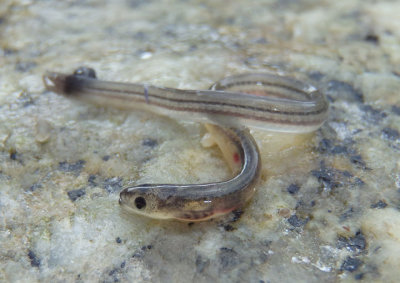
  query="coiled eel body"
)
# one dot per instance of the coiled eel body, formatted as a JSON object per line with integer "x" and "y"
{"x": 264, "y": 101}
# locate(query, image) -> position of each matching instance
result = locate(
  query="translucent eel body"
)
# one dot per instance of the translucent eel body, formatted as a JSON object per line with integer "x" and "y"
{"x": 197, "y": 202}
{"x": 264, "y": 101}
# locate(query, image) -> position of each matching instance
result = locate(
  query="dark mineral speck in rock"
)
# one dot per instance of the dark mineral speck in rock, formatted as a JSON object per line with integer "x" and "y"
{"x": 346, "y": 215}
{"x": 293, "y": 189}
{"x": 141, "y": 252}
{"x": 140, "y": 35}
{"x": 332, "y": 178}
{"x": 325, "y": 176}
{"x": 396, "y": 110}
{"x": 35, "y": 261}
{"x": 358, "y": 181}
{"x": 26, "y": 99}
{"x": 136, "y": 3}
{"x": 261, "y": 40}
{"x": 343, "y": 90}
{"x": 35, "y": 186}
{"x": 113, "y": 185}
{"x": 138, "y": 254}
{"x": 315, "y": 75}
{"x": 75, "y": 194}
{"x": 327, "y": 146}
{"x": 92, "y": 180}
{"x": 390, "y": 134}
{"x": 372, "y": 38}
{"x": 232, "y": 217}
{"x": 337, "y": 149}
{"x": 263, "y": 256}
{"x": 300, "y": 203}
{"x": 113, "y": 271}
{"x": 118, "y": 240}
{"x": 105, "y": 158}
{"x": 229, "y": 228}
{"x": 357, "y": 160}
{"x": 266, "y": 243}
{"x": 192, "y": 48}
{"x": 295, "y": 221}
{"x": 9, "y": 51}
{"x": 380, "y": 204}
{"x": 201, "y": 264}
{"x": 148, "y": 247}
{"x": 252, "y": 61}
{"x": 150, "y": 142}
{"x": 228, "y": 258}
{"x": 351, "y": 264}
{"x": 346, "y": 174}
{"x": 25, "y": 66}
{"x": 356, "y": 243}
{"x": 372, "y": 115}
{"x": 13, "y": 154}
{"x": 236, "y": 215}
{"x": 123, "y": 264}
{"x": 71, "y": 167}
{"x": 359, "y": 276}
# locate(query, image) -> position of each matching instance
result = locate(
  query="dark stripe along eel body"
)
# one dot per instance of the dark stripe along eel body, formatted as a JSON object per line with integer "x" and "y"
{"x": 265, "y": 101}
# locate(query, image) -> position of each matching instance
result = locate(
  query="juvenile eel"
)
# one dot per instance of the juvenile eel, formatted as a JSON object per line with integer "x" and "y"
{"x": 263, "y": 101}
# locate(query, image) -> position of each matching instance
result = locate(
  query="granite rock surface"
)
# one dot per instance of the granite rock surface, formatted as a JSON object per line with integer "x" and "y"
{"x": 327, "y": 207}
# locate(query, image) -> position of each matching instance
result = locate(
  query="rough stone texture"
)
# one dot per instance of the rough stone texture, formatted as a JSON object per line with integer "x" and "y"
{"x": 339, "y": 223}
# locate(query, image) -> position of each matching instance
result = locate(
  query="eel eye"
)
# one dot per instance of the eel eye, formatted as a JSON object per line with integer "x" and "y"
{"x": 140, "y": 203}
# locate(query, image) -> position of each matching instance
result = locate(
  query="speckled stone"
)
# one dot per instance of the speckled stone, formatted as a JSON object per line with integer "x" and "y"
{"x": 327, "y": 206}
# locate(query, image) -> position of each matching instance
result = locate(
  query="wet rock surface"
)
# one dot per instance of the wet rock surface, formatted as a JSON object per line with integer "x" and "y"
{"x": 327, "y": 206}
